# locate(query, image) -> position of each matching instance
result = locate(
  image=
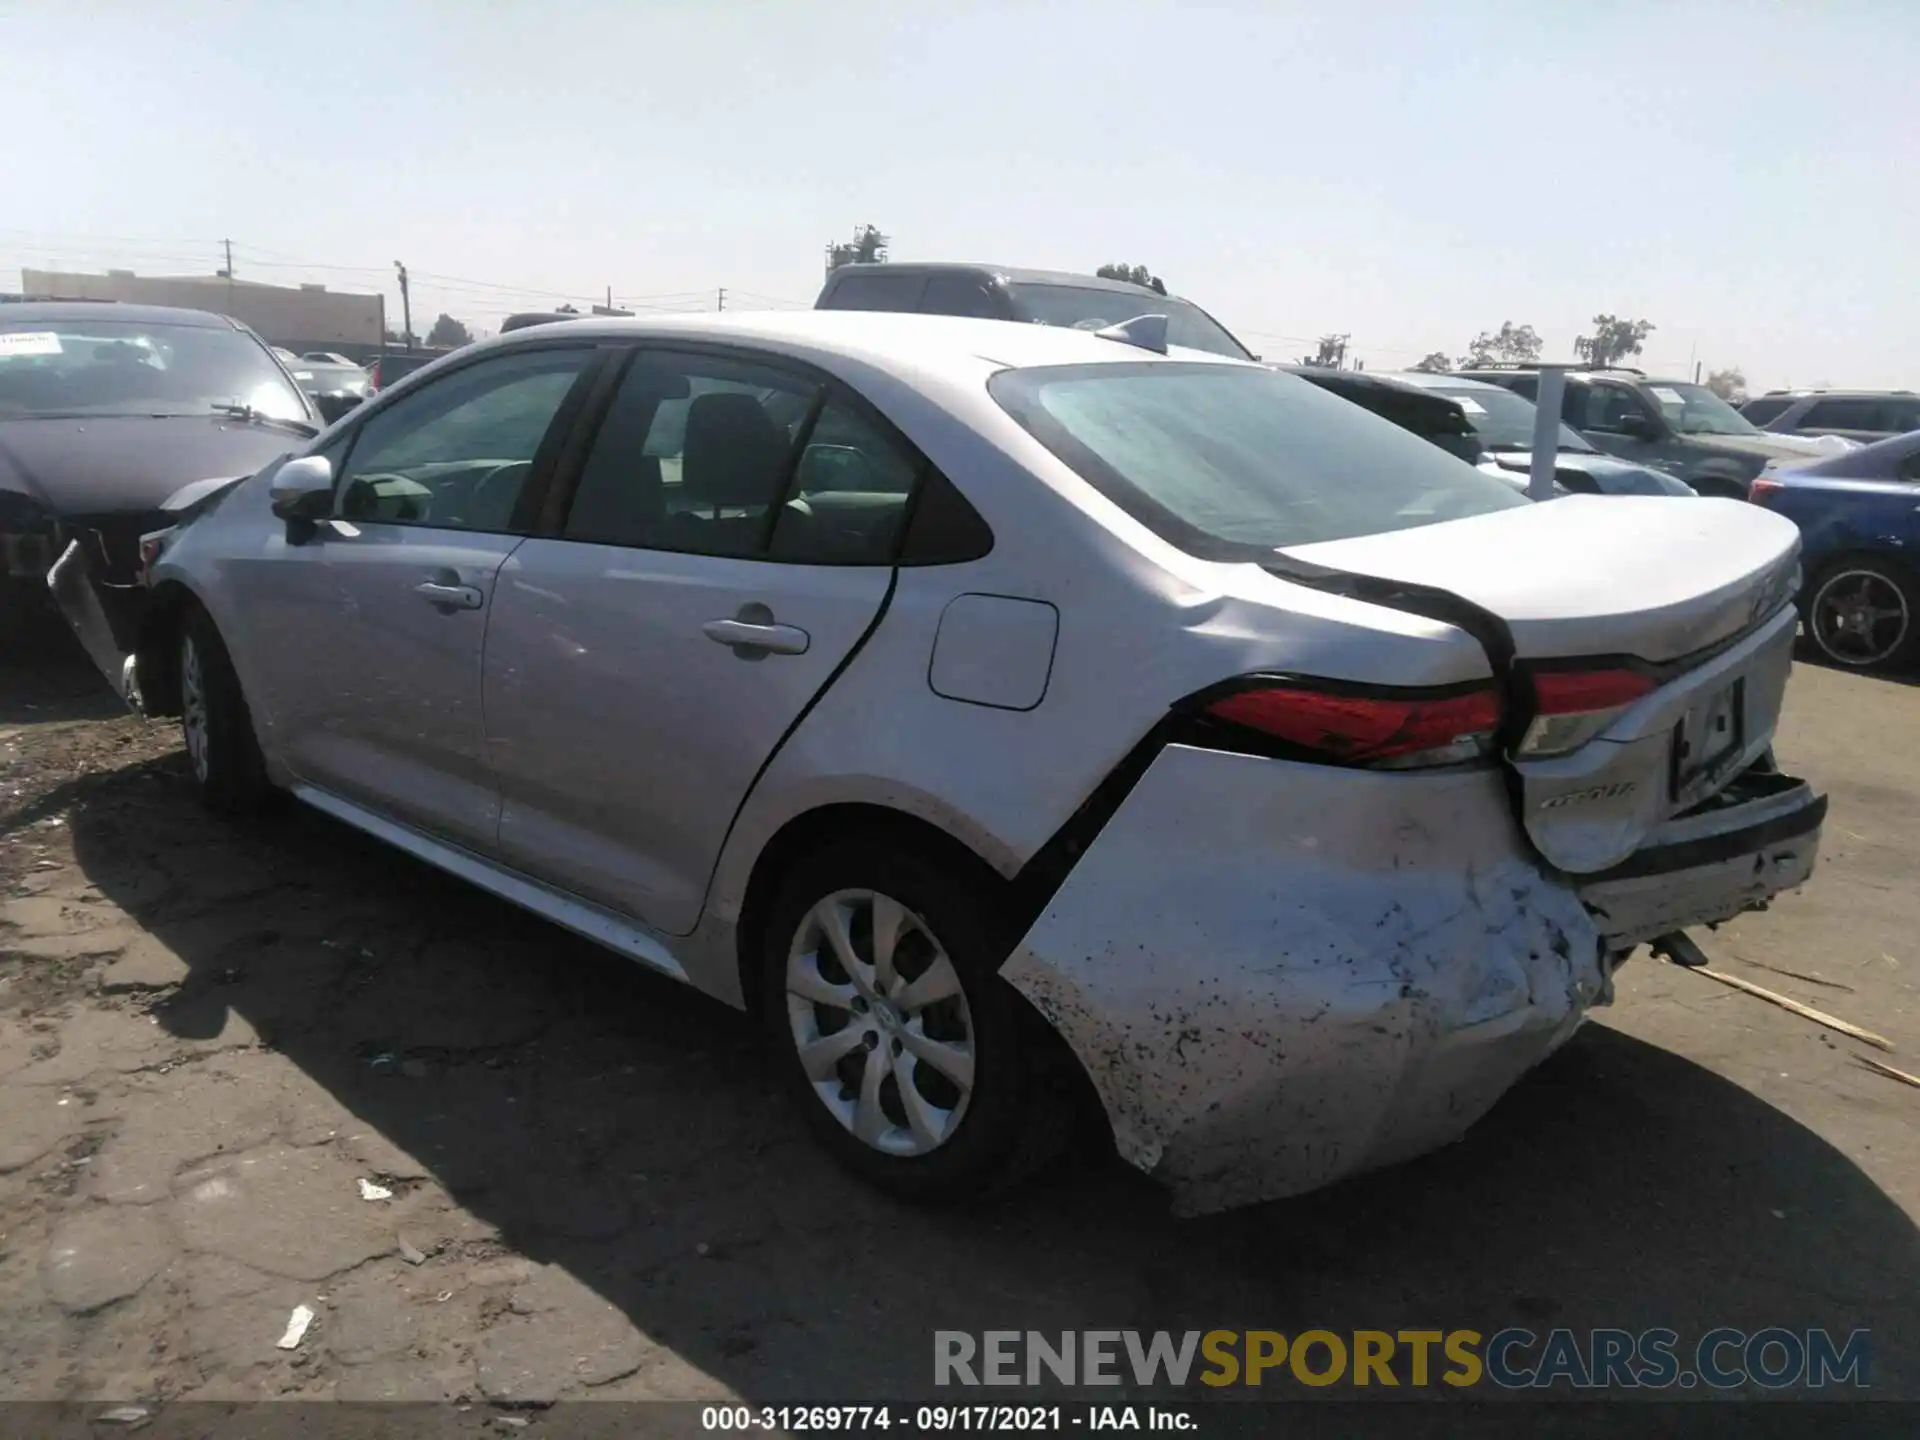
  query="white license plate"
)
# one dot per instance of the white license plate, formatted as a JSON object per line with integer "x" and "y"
{"x": 1707, "y": 741}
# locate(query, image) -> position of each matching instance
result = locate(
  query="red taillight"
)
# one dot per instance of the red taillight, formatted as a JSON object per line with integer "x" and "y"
{"x": 1565, "y": 692}
{"x": 1573, "y": 706}
{"x": 1402, "y": 729}
{"x": 1761, "y": 489}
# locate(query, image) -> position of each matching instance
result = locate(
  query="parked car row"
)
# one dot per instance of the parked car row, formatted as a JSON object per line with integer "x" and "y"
{"x": 1007, "y": 715}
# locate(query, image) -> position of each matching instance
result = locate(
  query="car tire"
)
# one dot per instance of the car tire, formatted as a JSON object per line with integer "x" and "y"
{"x": 1843, "y": 593}
{"x": 905, "y": 1123}
{"x": 223, "y": 755}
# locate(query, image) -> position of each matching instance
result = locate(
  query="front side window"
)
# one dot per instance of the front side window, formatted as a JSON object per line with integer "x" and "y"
{"x": 959, "y": 295}
{"x": 1227, "y": 461}
{"x": 715, "y": 456}
{"x": 99, "y": 367}
{"x": 1083, "y": 307}
{"x": 1760, "y": 412}
{"x": 1610, "y": 409}
{"x": 457, "y": 454}
{"x": 1503, "y": 420}
{"x": 875, "y": 291}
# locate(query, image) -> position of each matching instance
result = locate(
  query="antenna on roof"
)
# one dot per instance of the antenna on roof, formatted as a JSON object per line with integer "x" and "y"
{"x": 1147, "y": 332}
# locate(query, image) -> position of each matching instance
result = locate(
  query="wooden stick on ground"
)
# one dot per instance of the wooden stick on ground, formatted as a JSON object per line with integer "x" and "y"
{"x": 1888, "y": 1070}
{"x": 1819, "y": 1017}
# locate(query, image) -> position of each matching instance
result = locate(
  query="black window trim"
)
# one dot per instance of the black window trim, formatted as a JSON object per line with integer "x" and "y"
{"x": 528, "y": 503}
{"x": 828, "y": 389}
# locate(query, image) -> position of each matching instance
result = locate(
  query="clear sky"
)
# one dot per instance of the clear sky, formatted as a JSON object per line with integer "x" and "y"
{"x": 1744, "y": 174}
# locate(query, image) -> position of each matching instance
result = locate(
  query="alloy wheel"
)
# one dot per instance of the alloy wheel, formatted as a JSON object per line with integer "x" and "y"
{"x": 1859, "y": 617}
{"x": 880, "y": 1022}
{"x": 193, "y": 709}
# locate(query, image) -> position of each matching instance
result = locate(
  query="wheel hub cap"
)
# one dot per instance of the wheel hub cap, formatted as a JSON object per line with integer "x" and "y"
{"x": 880, "y": 1022}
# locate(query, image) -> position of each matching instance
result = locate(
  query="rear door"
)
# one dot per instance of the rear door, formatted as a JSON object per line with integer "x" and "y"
{"x": 729, "y": 542}
{"x": 369, "y": 633}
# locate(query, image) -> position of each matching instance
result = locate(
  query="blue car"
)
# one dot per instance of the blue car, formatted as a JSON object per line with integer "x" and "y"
{"x": 1859, "y": 519}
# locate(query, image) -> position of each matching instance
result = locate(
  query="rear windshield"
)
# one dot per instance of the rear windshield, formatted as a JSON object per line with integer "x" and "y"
{"x": 1086, "y": 308}
{"x": 1226, "y": 461}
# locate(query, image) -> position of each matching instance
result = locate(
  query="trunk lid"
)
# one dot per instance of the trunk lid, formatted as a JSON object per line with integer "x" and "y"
{"x": 1690, "y": 602}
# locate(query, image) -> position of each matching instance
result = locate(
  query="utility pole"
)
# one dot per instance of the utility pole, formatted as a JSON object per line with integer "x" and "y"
{"x": 406, "y": 307}
{"x": 721, "y": 299}
{"x": 609, "y": 297}
{"x": 228, "y": 272}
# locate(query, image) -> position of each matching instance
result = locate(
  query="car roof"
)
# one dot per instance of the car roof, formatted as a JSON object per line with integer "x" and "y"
{"x": 944, "y": 344}
{"x": 1430, "y": 380}
{"x": 52, "y": 311}
{"x": 1012, "y": 274}
{"x": 1831, "y": 395}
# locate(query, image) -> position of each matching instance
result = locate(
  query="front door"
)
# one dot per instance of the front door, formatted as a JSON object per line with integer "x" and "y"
{"x": 730, "y": 541}
{"x": 1616, "y": 420}
{"x": 374, "y": 632}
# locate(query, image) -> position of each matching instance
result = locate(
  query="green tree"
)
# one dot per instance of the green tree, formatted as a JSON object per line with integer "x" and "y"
{"x": 1730, "y": 385}
{"x": 448, "y": 334}
{"x": 1133, "y": 275}
{"x": 1435, "y": 363}
{"x": 1612, "y": 341}
{"x": 1512, "y": 344}
{"x": 867, "y": 247}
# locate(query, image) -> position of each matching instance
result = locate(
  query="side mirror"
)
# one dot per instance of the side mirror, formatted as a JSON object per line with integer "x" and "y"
{"x": 335, "y": 403}
{"x": 302, "y": 490}
{"x": 1633, "y": 423}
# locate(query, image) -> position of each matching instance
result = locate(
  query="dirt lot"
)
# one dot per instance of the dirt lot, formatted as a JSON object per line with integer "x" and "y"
{"x": 209, "y": 1036}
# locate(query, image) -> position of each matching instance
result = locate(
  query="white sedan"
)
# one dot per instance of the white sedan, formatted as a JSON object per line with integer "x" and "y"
{"x": 1005, "y": 715}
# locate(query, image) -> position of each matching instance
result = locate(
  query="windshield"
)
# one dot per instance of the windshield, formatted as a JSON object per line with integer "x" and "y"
{"x": 1696, "y": 410}
{"x": 1085, "y": 308}
{"x": 1503, "y": 420}
{"x": 1225, "y": 462}
{"x": 120, "y": 367}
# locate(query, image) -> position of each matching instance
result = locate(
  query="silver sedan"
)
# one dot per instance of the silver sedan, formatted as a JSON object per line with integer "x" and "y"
{"x": 1005, "y": 715}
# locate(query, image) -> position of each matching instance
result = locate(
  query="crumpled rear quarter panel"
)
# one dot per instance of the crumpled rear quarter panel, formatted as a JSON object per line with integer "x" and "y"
{"x": 1278, "y": 974}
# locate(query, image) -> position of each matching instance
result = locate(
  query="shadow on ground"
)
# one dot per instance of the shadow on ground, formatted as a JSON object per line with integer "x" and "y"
{"x": 619, "y": 1126}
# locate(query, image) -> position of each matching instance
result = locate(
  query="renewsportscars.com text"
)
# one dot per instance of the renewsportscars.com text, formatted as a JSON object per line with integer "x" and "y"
{"x": 1723, "y": 1359}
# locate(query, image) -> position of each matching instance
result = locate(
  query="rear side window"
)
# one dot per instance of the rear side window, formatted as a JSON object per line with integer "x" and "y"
{"x": 1841, "y": 415}
{"x": 875, "y": 291}
{"x": 716, "y": 456}
{"x": 1761, "y": 411}
{"x": 1230, "y": 461}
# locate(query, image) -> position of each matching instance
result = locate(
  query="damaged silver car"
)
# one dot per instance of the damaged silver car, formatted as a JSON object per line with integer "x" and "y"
{"x": 1008, "y": 715}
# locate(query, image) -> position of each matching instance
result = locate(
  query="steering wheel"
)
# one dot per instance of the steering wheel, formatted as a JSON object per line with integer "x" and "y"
{"x": 490, "y": 503}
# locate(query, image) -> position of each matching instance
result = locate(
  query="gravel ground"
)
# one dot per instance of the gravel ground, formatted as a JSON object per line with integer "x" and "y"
{"x": 212, "y": 1037}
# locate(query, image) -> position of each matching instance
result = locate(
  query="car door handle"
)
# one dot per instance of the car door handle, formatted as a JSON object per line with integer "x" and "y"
{"x": 453, "y": 597}
{"x": 745, "y": 638}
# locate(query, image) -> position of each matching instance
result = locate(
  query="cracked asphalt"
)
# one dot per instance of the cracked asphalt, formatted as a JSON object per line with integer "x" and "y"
{"x": 216, "y": 1042}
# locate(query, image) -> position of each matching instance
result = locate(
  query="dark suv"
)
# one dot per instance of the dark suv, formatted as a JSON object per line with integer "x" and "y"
{"x": 1863, "y": 415}
{"x": 1039, "y": 297}
{"x": 1671, "y": 425}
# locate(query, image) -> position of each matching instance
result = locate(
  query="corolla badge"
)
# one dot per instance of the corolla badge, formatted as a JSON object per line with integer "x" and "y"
{"x": 1595, "y": 792}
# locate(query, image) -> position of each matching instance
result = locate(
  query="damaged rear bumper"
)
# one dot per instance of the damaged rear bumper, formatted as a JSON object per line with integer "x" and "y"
{"x": 1280, "y": 974}
{"x": 1758, "y": 837}
{"x": 1277, "y": 975}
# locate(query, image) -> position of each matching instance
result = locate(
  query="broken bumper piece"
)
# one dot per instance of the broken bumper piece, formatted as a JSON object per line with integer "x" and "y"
{"x": 1277, "y": 975}
{"x": 1758, "y": 837}
{"x": 71, "y": 581}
